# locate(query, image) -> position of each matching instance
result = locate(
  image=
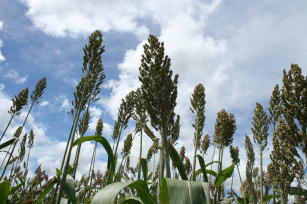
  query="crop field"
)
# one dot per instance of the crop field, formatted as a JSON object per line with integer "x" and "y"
{"x": 150, "y": 109}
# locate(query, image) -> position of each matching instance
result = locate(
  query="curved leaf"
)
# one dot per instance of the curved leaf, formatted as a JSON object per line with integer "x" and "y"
{"x": 203, "y": 167}
{"x": 104, "y": 142}
{"x": 208, "y": 171}
{"x": 177, "y": 161}
{"x": 46, "y": 191}
{"x": 144, "y": 168}
{"x": 7, "y": 143}
{"x": 224, "y": 175}
{"x": 175, "y": 191}
{"x": 108, "y": 193}
{"x": 4, "y": 191}
{"x": 210, "y": 163}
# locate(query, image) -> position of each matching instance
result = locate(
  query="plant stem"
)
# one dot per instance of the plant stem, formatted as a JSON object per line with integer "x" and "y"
{"x": 261, "y": 179}
{"x": 140, "y": 156}
{"x": 8, "y": 124}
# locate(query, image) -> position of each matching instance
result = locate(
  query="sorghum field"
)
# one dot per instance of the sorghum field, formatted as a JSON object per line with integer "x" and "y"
{"x": 177, "y": 178}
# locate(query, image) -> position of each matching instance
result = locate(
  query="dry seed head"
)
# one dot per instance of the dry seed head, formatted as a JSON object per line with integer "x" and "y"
{"x": 127, "y": 145}
{"x": 39, "y": 90}
{"x": 19, "y": 101}
{"x": 99, "y": 127}
{"x": 205, "y": 143}
{"x": 225, "y": 127}
{"x": 234, "y": 154}
{"x": 260, "y": 126}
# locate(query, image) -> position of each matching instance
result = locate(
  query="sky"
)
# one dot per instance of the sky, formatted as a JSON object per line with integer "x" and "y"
{"x": 237, "y": 49}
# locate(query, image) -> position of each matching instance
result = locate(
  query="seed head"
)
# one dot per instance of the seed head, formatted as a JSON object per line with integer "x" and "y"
{"x": 159, "y": 88}
{"x": 99, "y": 127}
{"x": 260, "y": 126}
{"x": 198, "y": 108}
{"x": 31, "y": 139}
{"x": 225, "y": 127}
{"x": 19, "y": 101}
{"x": 182, "y": 153}
{"x": 39, "y": 90}
{"x": 84, "y": 123}
{"x": 127, "y": 145}
{"x": 234, "y": 154}
{"x": 187, "y": 165}
{"x": 205, "y": 143}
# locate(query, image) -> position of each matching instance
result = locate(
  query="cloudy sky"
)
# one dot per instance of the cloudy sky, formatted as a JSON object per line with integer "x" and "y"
{"x": 237, "y": 49}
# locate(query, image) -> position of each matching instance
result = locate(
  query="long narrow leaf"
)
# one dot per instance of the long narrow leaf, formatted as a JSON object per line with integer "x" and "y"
{"x": 208, "y": 171}
{"x": 104, "y": 142}
{"x": 175, "y": 191}
{"x": 144, "y": 166}
{"x": 7, "y": 143}
{"x": 108, "y": 193}
{"x": 177, "y": 161}
{"x": 224, "y": 175}
{"x": 4, "y": 191}
{"x": 203, "y": 167}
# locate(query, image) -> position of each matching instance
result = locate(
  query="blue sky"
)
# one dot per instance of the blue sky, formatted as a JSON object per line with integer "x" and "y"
{"x": 237, "y": 49}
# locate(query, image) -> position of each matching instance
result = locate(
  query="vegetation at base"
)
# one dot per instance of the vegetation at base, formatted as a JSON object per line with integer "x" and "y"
{"x": 174, "y": 179}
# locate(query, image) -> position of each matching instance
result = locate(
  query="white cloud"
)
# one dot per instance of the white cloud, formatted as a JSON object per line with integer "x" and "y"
{"x": 44, "y": 103}
{"x": 13, "y": 74}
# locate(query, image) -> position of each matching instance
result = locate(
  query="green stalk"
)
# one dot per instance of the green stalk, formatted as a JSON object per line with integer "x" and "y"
{"x": 92, "y": 168}
{"x": 261, "y": 180}
{"x": 24, "y": 122}
{"x": 68, "y": 159}
{"x": 140, "y": 156}
{"x": 7, "y": 126}
{"x": 118, "y": 139}
{"x": 195, "y": 152}
{"x": 212, "y": 161}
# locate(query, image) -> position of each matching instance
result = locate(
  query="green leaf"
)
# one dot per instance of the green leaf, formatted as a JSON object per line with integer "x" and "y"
{"x": 129, "y": 200}
{"x": 46, "y": 191}
{"x": 69, "y": 188}
{"x": 4, "y": 191}
{"x": 177, "y": 161}
{"x": 203, "y": 167}
{"x": 104, "y": 142}
{"x": 210, "y": 163}
{"x": 175, "y": 191}
{"x": 7, "y": 143}
{"x": 108, "y": 193}
{"x": 144, "y": 168}
{"x": 298, "y": 191}
{"x": 208, "y": 171}
{"x": 224, "y": 175}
